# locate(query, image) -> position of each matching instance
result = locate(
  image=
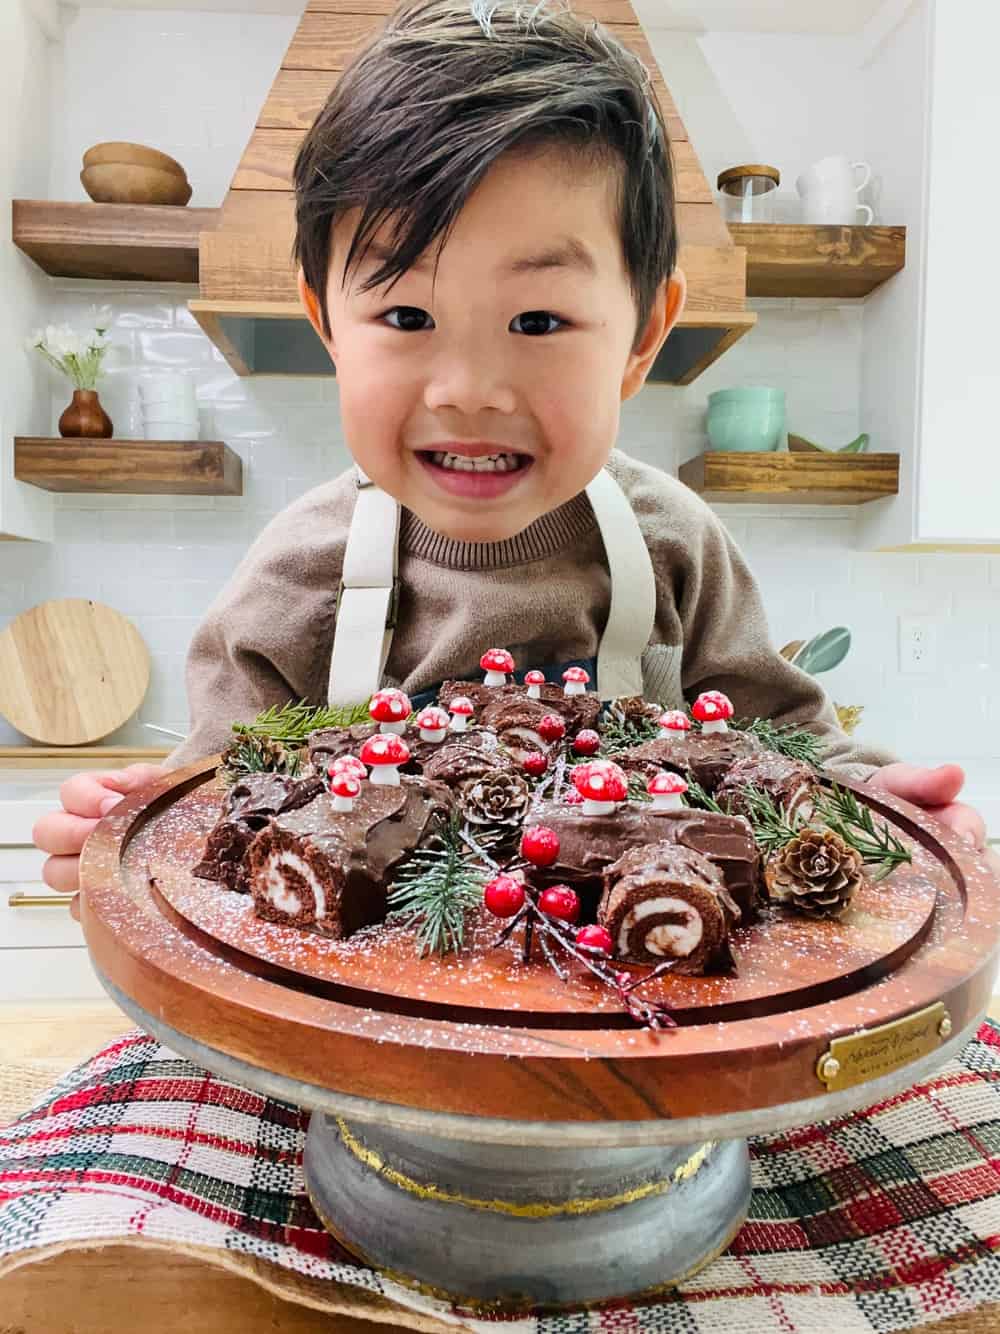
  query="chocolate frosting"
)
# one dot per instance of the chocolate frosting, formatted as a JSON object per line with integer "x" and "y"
{"x": 790, "y": 783}
{"x": 707, "y": 758}
{"x": 456, "y": 762}
{"x": 664, "y": 901}
{"x": 329, "y": 743}
{"x": 588, "y": 844}
{"x": 579, "y": 711}
{"x": 352, "y": 853}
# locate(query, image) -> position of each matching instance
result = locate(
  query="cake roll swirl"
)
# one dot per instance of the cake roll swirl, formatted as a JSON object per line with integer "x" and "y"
{"x": 663, "y": 901}
{"x": 248, "y": 805}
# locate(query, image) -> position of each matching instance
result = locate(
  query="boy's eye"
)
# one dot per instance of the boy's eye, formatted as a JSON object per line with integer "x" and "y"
{"x": 409, "y": 319}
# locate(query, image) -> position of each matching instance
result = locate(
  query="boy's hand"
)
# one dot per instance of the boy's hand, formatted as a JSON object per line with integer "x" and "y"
{"x": 935, "y": 790}
{"x": 86, "y": 798}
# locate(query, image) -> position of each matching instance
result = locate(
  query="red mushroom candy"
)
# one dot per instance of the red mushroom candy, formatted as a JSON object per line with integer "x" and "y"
{"x": 673, "y": 725}
{"x": 576, "y": 680}
{"x": 433, "y": 723}
{"x": 602, "y": 784}
{"x": 344, "y": 787}
{"x": 497, "y": 663}
{"x": 390, "y": 708}
{"x": 534, "y": 681}
{"x": 347, "y": 764}
{"x": 384, "y": 753}
{"x": 667, "y": 790}
{"x": 461, "y": 709}
{"x": 712, "y": 708}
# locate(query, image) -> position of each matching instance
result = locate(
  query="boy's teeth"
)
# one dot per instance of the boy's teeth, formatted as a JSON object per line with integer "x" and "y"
{"x": 486, "y": 463}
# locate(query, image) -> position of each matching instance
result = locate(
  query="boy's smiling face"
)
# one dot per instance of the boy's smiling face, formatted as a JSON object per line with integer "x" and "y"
{"x": 521, "y": 347}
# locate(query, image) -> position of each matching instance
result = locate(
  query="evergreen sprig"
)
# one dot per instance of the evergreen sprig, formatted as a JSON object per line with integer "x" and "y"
{"x": 435, "y": 888}
{"x": 786, "y": 739}
{"x": 618, "y": 734}
{"x": 294, "y": 722}
{"x": 251, "y": 754}
{"x": 696, "y": 795}
{"x": 773, "y": 827}
{"x": 880, "y": 849}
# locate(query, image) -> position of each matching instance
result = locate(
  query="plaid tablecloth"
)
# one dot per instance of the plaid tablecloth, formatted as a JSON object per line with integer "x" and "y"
{"x": 880, "y": 1221}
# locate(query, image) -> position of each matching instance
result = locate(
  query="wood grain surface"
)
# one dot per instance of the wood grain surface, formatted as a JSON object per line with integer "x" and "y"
{"x": 72, "y": 670}
{"x": 778, "y": 477}
{"x": 395, "y": 1051}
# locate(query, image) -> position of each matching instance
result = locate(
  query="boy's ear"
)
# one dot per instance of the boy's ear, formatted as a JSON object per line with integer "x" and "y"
{"x": 666, "y": 312}
{"x": 310, "y": 303}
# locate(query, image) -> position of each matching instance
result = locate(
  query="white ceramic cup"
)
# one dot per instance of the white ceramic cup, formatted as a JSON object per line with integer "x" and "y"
{"x": 829, "y": 192}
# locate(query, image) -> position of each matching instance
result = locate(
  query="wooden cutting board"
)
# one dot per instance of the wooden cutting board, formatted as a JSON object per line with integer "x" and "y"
{"x": 71, "y": 671}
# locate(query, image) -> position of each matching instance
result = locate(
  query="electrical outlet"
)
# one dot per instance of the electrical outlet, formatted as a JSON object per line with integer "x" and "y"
{"x": 917, "y": 645}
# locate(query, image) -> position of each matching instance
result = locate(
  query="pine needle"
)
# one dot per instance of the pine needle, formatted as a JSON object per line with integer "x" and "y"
{"x": 434, "y": 890}
{"x": 795, "y": 742}
{"x": 294, "y": 722}
{"x": 841, "y": 811}
{"x": 773, "y": 828}
{"x": 618, "y": 734}
{"x": 697, "y": 796}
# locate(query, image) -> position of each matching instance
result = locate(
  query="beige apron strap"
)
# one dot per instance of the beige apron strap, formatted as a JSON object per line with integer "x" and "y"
{"x": 368, "y": 598}
{"x": 633, "y": 591}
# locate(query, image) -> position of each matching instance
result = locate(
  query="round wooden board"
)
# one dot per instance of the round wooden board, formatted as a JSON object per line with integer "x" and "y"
{"x": 566, "y": 1058}
{"x": 71, "y": 671}
{"x": 785, "y": 961}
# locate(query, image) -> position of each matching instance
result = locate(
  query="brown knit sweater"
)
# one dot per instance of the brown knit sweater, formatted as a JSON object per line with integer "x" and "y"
{"x": 543, "y": 594}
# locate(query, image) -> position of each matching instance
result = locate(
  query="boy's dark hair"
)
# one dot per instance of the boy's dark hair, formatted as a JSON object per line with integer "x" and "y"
{"x": 447, "y": 87}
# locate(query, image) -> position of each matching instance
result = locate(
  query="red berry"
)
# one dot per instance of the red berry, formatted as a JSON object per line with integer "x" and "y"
{"x": 595, "y": 938}
{"x": 540, "y": 846}
{"x": 586, "y": 742}
{"x": 551, "y": 727}
{"x": 535, "y": 764}
{"x": 504, "y": 896}
{"x": 561, "y": 902}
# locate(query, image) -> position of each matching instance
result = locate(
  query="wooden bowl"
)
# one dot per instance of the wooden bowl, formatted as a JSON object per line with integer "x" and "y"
{"x": 129, "y": 183}
{"x": 137, "y": 155}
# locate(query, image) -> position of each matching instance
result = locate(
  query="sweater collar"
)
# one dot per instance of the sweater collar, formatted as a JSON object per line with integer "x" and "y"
{"x": 551, "y": 533}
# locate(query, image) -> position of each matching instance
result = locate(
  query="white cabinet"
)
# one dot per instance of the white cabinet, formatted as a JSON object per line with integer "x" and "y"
{"x": 42, "y": 953}
{"x": 930, "y": 377}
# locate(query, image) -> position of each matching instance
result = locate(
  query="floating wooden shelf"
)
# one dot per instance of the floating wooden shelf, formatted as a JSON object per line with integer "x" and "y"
{"x": 792, "y": 479}
{"x": 798, "y": 260}
{"x": 79, "y": 757}
{"x": 137, "y": 242}
{"x": 130, "y": 467}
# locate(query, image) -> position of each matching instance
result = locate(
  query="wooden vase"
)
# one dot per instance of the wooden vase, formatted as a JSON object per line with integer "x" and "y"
{"x": 85, "y": 418}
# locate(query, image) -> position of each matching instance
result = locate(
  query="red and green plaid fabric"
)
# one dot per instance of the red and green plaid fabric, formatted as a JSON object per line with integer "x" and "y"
{"x": 880, "y": 1221}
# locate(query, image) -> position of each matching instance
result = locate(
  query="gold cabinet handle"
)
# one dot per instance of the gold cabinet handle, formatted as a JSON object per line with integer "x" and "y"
{"x": 39, "y": 900}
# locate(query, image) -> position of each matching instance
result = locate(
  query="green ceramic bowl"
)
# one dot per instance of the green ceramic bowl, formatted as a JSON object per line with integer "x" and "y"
{"x": 746, "y": 419}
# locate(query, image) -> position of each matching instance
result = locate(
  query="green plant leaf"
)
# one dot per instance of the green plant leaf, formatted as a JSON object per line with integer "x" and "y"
{"x": 857, "y": 446}
{"x": 824, "y": 651}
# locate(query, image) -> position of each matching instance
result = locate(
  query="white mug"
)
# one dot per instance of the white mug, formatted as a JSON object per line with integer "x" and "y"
{"x": 829, "y": 191}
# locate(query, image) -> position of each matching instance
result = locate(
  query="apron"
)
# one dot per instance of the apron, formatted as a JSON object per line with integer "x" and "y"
{"x": 368, "y": 597}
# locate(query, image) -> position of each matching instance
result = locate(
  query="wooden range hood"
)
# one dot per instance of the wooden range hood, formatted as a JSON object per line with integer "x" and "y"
{"x": 249, "y": 304}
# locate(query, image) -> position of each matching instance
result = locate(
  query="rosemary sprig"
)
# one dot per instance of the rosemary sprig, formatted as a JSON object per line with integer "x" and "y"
{"x": 697, "y": 796}
{"x": 618, "y": 734}
{"x": 637, "y": 788}
{"x": 773, "y": 828}
{"x": 880, "y": 849}
{"x": 294, "y": 722}
{"x": 795, "y": 742}
{"x": 434, "y": 890}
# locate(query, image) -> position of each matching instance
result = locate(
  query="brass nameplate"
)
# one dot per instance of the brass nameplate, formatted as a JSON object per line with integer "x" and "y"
{"x": 879, "y": 1051}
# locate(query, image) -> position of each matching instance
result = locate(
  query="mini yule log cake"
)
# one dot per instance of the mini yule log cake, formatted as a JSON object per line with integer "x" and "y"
{"x": 604, "y": 834}
{"x": 249, "y": 804}
{"x": 663, "y": 901}
{"x": 330, "y": 869}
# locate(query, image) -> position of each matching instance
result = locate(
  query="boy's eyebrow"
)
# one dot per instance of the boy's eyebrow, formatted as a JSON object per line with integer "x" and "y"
{"x": 566, "y": 253}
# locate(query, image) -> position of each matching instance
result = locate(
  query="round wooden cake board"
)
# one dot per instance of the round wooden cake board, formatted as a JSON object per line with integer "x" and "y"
{"x": 71, "y": 671}
{"x": 495, "y": 1135}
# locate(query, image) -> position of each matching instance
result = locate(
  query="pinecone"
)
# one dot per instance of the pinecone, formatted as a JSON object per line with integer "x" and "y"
{"x": 498, "y": 799}
{"x": 816, "y": 872}
{"x": 255, "y": 754}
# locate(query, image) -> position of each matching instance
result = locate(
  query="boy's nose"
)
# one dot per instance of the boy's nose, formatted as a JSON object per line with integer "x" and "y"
{"x": 470, "y": 383}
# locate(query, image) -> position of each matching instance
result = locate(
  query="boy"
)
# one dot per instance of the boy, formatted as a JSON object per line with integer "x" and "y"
{"x": 486, "y": 239}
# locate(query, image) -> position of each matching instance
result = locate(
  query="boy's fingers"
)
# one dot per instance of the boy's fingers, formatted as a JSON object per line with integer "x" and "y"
{"x": 61, "y": 833}
{"x": 92, "y": 794}
{"x": 964, "y": 820}
{"x": 62, "y": 874}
